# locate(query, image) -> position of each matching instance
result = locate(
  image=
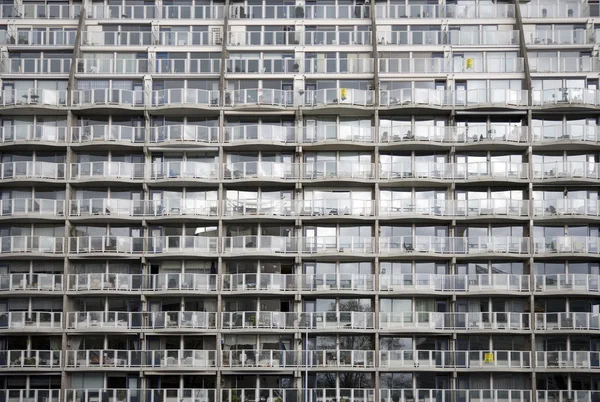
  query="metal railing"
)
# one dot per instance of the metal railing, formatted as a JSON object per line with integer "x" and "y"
{"x": 125, "y": 38}
{"x": 337, "y": 244}
{"x": 569, "y": 96}
{"x": 32, "y": 170}
{"x": 342, "y": 96}
{"x": 156, "y": 359}
{"x": 262, "y": 66}
{"x": 567, "y": 359}
{"x": 41, "y": 11}
{"x": 453, "y": 135}
{"x": 188, "y": 97}
{"x": 260, "y": 170}
{"x": 448, "y": 98}
{"x": 39, "y": 38}
{"x": 492, "y": 170}
{"x": 578, "y": 283}
{"x": 567, "y": 321}
{"x": 332, "y": 320}
{"x": 497, "y": 321}
{"x": 567, "y": 245}
{"x": 265, "y": 282}
{"x": 279, "y": 38}
{"x": 558, "y": 37}
{"x": 308, "y": 12}
{"x": 33, "y": 97}
{"x": 185, "y": 170}
{"x": 566, "y": 207}
{"x": 107, "y": 170}
{"x": 454, "y": 245}
{"x": 166, "y": 245}
{"x": 564, "y": 64}
{"x": 336, "y": 38}
{"x": 31, "y": 320}
{"x": 182, "y": 320}
{"x": 454, "y": 283}
{"x": 122, "y": 12}
{"x": 32, "y": 207}
{"x": 47, "y": 359}
{"x": 106, "y": 244}
{"x": 107, "y": 133}
{"x": 32, "y": 245}
{"x": 337, "y": 66}
{"x": 106, "y": 206}
{"x": 472, "y": 359}
{"x": 200, "y": 12}
{"x": 169, "y": 282}
{"x": 454, "y": 208}
{"x": 114, "y": 320}
{"x": 33, "y": 133}
{"x": 570, "y": 133}
{"x": 264, "y": 133}
{"x": 31, "y": 282}
{"x": 450, "y": 66}
{"x": 248, "y": 358}
{"x": 566, "y": 170}
{"x": 493, "y": 11}
{"x": 28, "y": 395}
{"x": 35, "y": 66}
{"x": 332, "y": 133}
{"x": 186, "y": 66}
{"x": 105, "y": 282}
{"x": 554, "y": 10}
{"x": 259, "y": 96}
{"x": 567, "y": 396}
{"x": 455, "y": 38}
{"x": 113, "y": 66}
{"x": 186, "y": 133}
{"x": 338, "y": 170}
{"x": 337, "y": 282}
{"x": 107, "y": 97}
{"x": 449, "y": 395}
{"x": 259, "y": 244}
{"x": 141, "y": 395}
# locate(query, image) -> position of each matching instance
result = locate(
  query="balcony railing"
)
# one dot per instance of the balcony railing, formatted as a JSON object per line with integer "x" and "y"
{"x": 33, "y": 207}
{"x": 334, "y": 207}
{"x": 260, "y": 170}
{"x": 15, "y": 359}
{"x": 182, "y": 244}
{"x": 332, "y": 133}
{"x": 567, "y": 321}
{"x": 104, "y": 320}
{"x": 36, "y": 66}
{"x": 153, "y": 12}
{"x": 454, "y": 208}
{"x": 454, "y": 38}
{"x": 261, "y": 282}
{"x": 177, "y": 134}
{"x": 178, "y": 38}
{"x": 112, "y": 66}
{"x": 447, "y": 395}
{"x": 337, "y": 244}
{"x": 338, "y": 66}
{"x": 33, "y": 97}
{"x": 106, "y": 244}
{"x": 337, "y": 38}
{"x": 180, "y": 359}
{"x": 182, "y": 320}
{"x": 492, "y": 170}
{"x": 454, "y": 283}
{"x": 338, "y": 170}
{"x": 197, "y": 12}
{"x": 566, "y": 170}
{"x": 566, "y": 96}
{"x": 492, "y": 11}
{"x": 31, "y": 321}
{"x": 568, "y": 207}
{"x": 41, "y": 11}
{"x": 246, "y": 358}
{"x": 141, "y": 38}
{"x": 568, "y": 359}
{"x": 106, "y": 206}
{"x": 564, "y": 64}
{"x": 38, "y": 133}
{"x": 451, "y": 66}
{"x": 105, "y": 282}
{"x": 259, "y": 244}
{"x": 343, "y": 96}
{"x": 454, "y": 245}
{"x": 453, "y": 135}
{"x": 570, "y": 133}
{"x": 187, "y": 97}
{"x": 140, "y": 395}
{"x": 46, "y": 245}
{"x": 567, "y": 244}
{"x": 107, "y": 97}
{"x": 567, "y": 396}
{"x": 120, "y": 12}
{"x": 338, "y": 282}
{"x": 29, "y": 395}
{"x": 436, "y": 359}
{"x": 156, "y": 359}
{"x": 263, "y": 133}
{"x": 299, "y": 12}
{"x": 96, "y": 358}
{"x": 499, "y": 321}
{"x": 257, "y": 207}
{"x": 267, "y": 97}
{"x": 107, "y": 133}
{"x": 107, "y": 170}
{"x": 558, "y": 37}
{"x": 184, "y": 170}
{"x": 32, "y": 170}
{"x": 31, "y": 282}
{"x": 180, "y": 207}
{"x": 577, "y": 283}
{"x": 281, "y": 320}
{"x": 25, "y": 38}
{"x": 169, "y": 282}
{"x": 554, "y": 10}
{"x": 262, "y": 66}
{"x": 186, "y": 66}
{"x": 428, "y": 97}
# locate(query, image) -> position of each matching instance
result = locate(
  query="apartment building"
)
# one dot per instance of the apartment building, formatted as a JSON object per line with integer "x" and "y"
{"x": 299, "y": 201}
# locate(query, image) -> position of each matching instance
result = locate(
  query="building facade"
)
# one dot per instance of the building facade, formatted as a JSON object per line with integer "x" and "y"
{"x": 299, "y": 200}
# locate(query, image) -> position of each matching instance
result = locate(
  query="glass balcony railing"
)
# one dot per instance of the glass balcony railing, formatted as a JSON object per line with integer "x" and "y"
{"x": 33, "y": 97}
{"x": 263, "y": 133}
{"x": 567, "y": 245}
{"x": 566, "y": 170}
{"x": 337, "y": 66}
{"x": 246, "y": 358}
{"x": 175, "y": 134}
{"x": 309, "y": 12}
{"x": 185, "y": 282}
{"x": 568, "y": 359}
{"x": 558, "y": 37}
{"x": 569, "y": 207}
{"x": 258, "y": 394}
{"x": 337, "y": 38}
{"x": 31, "y": 282}
{"x": 112, "y": 66}
{"x": 182, "y": 38}
{"x": 567, "y": 396}
{"x": 260, "y": 170}
{"x": 107, "y": 133}
{"x": 453, "y": 135}
{"x": 338, "y": 282}
{"x": 107, "y": 97}
{"x": 24, "y": 38}
{"x": 279, "y": 38}
{"x": 427, "y": 97}
{"x": 186, "y": 66}
{"x": 35, "y": 66}
{"x": 184, "y": 170}
{"x": 493, "y": 170}
{"x": 104, "y": 320}
{"x": 106, "y": 244}
{"x": 167, "y": 245}
{"x": 436, "y": 359}
{"x": 259, "y": 244}
{"x": 564, "y": 64}
{"x": 30, "y": 359}
{"x": 338, "y": 170}
{"x": 497, "y": 321}
{"x": 39, "y": 207}
{"x": 28, "y": 395}
{"x": 41, "y": 11}
{"x": 31, "y": 321}
{"x": 323, "y": 134}
{"x": 282, "y": 320}
{"x": 180, "y": 207}
{"x": 34, "y": 133}
{"x": 459, "y": 11}
{"x": 555, "y": 10}
{"x": 105, "y": 282}
{"x": 186, "y": 97}
{"x": 342, "y": 96}
{"x": 454, "y": 208}
{"x": 565, "y": 283}
{"x": 570, "y": 133}
{"x": 122, "y": 12}
{"x": 566, "y": 96}
{"x": 454, "y": 245}
{"x": 335, "y": 207}
{"x": 567, "y": 321}
{"x": 267, "y": 97}
{"x": 260, "y": 282}
{"x": 126, "y": 38}
{"x": 45, "y": 245}
{"x": 447, "y": 395}
{"x": 182, "y": 320}
{"x": 196, "y": 12}
{"x": 455, "y": 38}
{"x": 427, "y": 283}
{"x": 337, "y": 244}
{"x": 107, "y": 170}
{"x": 140, "y": 395}
{"x": 103, "y": 358}
{"x": 262, "y": 66}
{"x": 450, "y": 66}
{"x": 32, "y": 170}
{"x": 157, "y": 359}
{"x": 106, "y": 206}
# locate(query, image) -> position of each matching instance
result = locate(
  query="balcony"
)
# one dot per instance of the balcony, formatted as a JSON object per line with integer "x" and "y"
{"x": 177, "y": 245}
{"x": 341, "y": 245}
{"x": 338, "y": 283}
{"x": 180, "y": 359}
{"x": 182, "y": 320}
{"x": 568, "y": 283}
{"x": 19, "y": 360}
{"x": 339, "y": 97}
{"x": 453, "y": 38}
{"x": 427, "y": 97}
{"x": 260, "y": 282}
{"x": 554, "y": 10}
{"x": 29, "y": 395}
{"x": 567, "y": 245}
{"x": 572, "y": 133}
{"x": 173, "y": 207}
{"x": 492, "y": 208}
{"x": 36, "y": 321}
{"x": 117, "y": 171}
{"x": 337, "y": 38}
{"x": 140, "y": 395}
{"x": 260, "y": 134}
{"x": 259, "y": 207}
{"x": 566, "y": 96}
{"x": 502, "y": 245}
{"x": 35, "y": 66}
{"x": 568, "y": 322}
{"x": 119, "y": 12}
{"x": 104, "y": 321}
{"x": 260, "y": 245}
{"x": 177, "y": 38}
{"x": 260, "y": 171}
{"x": 332, "y": 134}
{"x": 480, "y": 360}
{"x": 564, "y": 396}
{"x": 451, "y": 66}
{"x": 340, "y": 170}
{"x": 33, "y": 97}
{"x": 186, "y": 66}
{"x": 262, "y": 66}
{"x": 558, "y": 37}
{"x": 338, "y": 66}
{"x": 105, "y": 207}
{"x": 428, "y": 321}
{"x": 25, "y": 283}
{"x": 140, "y": 38}
{"x": 308, "y": 12}
{"x": 181, "y": 282}
{"x": 469, "y": 11}
{"x": 492, "y": 170}
{"x": 125, "y": 135}
{"x": 98, "y": 358}
{"x": 335, "y": 207}
{"x": 41, "y": 11}
{"x": 566, "y": 208}
{"x": 259, "y": 97}
{"x": 278, "y": 38}
{"x": 107, "y": 97}
{"x": 246, "y": 358}
{"x": 27, "y": 245}
{"x": 185, "y": 171}
{"x": 39, "y": 38}
{"x": 119, "y": 245}
{"x": 101, "y": 282}
{"x": 35, "y": 134}
{"x": 184, "y": 134}
{"x": 474, "y": 283}
{"x": 32, "y": 207}
{"x": 567, "y": 360}
{"x": 564, "y": 64}
{"x": 155, "y": 359}
{"x": 197, "y": 12}
{"x": 453, "y": 135}
{"x": 29, "y": 170}
{"x": 566, "y": 170}
{"x": 447, "y": 395}
{"x": 330, "y": 320}
{"x": 112, "y": 66}
{"x": 185, "y": 97}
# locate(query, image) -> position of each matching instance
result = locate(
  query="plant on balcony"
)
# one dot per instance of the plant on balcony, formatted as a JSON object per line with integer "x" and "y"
{"x": 29, "y": 361}
{"x": 121, "y": 395}
{"x": 235, "y": 398}
{"x": 278, "y": 399}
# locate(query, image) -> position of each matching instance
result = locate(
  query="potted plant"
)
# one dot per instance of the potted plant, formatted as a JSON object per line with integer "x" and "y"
{"x": 235, "y": 398}
{"x": 121, "y": 394}
{"x": 29, "y": 361}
